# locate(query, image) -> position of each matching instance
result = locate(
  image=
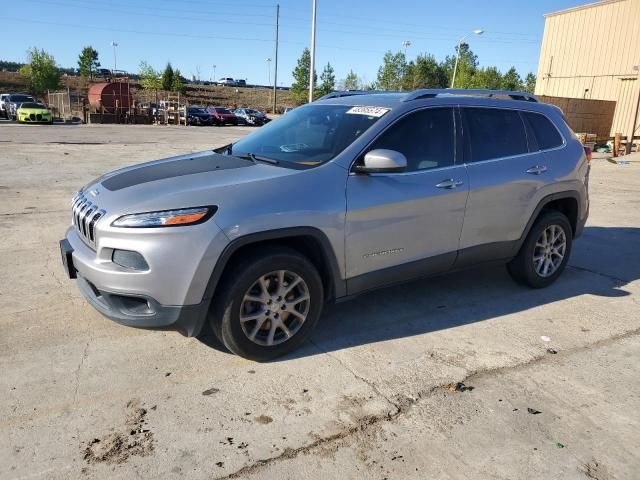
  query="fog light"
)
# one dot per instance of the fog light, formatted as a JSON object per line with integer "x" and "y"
{"x": 129, "y": 259}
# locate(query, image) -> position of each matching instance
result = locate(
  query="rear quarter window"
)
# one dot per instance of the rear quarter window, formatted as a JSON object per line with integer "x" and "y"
{"x": 545, "y": 134}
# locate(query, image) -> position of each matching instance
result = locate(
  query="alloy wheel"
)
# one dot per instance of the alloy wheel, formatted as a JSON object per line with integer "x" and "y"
{"x": 549, "y": 250}
{"x": 274, "y": 308}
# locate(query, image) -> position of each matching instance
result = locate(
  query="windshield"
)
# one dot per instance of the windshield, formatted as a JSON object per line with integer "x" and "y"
{"x": 197, "y": 110}
{"x": 20, "y": 98}
{"x": 32, "y": 105}
{"x": 310, "y": 135}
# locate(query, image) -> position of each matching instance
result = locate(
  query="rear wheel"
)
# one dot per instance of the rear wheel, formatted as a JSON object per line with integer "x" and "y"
{"x": 268, "y": 304}
{"x": 545, "y": 252}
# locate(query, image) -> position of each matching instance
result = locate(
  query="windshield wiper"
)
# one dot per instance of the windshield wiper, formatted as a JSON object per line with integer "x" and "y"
{"x": 258, "y": 158}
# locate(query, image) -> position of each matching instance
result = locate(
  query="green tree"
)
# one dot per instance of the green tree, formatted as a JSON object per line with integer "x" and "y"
{"x": 425, "y": 72}
{"x": 530, "y": 83}
{"x": 88, "y": 61}
{"x": 167, "y": 77}
{"x": 327, "y": 80}
{"x": 391, "y": 72}
{"x": 511, "y": 80}
{"x": 467, "y": 66}
{"x": 300, "y": 86}
{"x": 489, "y": 77}
{"x": 41, "y": 72}
{"x": 149, "y": 78}
{"x": 351, "y": 81}
{"x": 177, "y": 85}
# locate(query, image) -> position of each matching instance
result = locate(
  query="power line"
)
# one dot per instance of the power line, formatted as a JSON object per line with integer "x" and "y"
{"x": 378, "y": 28}
{"x": 148, "y": 14}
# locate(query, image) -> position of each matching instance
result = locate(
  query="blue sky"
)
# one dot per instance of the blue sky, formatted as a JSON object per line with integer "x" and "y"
{"x": 237, "y": 36}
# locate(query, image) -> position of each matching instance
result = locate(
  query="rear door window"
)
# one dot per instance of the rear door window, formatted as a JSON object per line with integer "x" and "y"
{"x": 492, "y": 133}
{"x": 545, "y": 135}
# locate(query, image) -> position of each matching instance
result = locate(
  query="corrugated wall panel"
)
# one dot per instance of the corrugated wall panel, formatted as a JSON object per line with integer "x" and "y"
{"x": 594, "y": 48}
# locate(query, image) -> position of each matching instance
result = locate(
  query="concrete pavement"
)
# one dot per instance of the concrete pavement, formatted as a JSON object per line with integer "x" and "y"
{"x": 86, "y": 398}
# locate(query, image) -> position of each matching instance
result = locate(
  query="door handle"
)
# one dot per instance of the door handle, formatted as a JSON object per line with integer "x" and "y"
{"x": 449, "y": 183}
{"x": 537, "y": 170}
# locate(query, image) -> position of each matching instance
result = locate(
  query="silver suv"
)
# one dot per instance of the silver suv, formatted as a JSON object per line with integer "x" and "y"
{"x": 350, "y": 193}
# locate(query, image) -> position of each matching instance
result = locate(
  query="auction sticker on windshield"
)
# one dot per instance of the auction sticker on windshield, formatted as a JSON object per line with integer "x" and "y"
{"x": 368, "y": 111}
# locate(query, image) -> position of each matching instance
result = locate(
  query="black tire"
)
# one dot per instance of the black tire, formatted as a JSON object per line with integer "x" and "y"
{"x": 239, "y": 278}
{"x": 522, "y": 268}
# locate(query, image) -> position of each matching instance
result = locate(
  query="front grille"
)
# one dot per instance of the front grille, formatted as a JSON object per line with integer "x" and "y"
{"x": 85, "y": 218}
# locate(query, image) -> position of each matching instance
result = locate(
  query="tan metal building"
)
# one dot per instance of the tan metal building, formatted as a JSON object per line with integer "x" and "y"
{"x": 593, "y": 52}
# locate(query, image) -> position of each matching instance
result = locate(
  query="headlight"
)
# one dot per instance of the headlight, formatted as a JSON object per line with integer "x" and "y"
{"x": 166, "y": 218}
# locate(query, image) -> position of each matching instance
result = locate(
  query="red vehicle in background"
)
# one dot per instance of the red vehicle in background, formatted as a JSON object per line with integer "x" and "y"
{"x": 222, "y": 116}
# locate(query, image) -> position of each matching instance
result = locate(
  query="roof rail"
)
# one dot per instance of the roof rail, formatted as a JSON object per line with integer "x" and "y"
{"x": 475, "y": 92}
{"x": 349, "y": 93}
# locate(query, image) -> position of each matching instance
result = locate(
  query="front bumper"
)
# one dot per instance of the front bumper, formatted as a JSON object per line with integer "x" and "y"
{"x": 136, "y": 310}
{"x": 145, "y": 312}
{"x": 168, "y": 296}
{"x": 35, "y": 118}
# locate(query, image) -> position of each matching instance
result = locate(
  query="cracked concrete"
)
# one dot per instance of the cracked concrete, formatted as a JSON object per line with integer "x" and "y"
{"x": 366, "y": 397}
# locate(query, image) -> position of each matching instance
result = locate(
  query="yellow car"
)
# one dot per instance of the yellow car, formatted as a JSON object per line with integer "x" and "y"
{"x": 32, "y": 112}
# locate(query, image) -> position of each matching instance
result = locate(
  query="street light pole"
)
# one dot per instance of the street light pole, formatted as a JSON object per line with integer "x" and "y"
{"x": 114, "y": 45}
{"x": 312, "y": 67}
{"x": 214, "y": 73}
{"x": 455, "y": 67}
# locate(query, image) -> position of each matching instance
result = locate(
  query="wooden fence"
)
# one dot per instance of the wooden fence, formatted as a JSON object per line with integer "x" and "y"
{"x": 585, "y": 115}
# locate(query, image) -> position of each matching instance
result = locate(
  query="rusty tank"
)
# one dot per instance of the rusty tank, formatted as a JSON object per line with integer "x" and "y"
{"x": 110, "y": 97}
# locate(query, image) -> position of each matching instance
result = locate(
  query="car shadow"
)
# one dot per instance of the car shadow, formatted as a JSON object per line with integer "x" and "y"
{"x": 602, "y": 262}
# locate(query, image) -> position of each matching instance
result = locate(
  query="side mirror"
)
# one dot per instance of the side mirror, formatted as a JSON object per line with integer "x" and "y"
{"x": 382, "y": 161}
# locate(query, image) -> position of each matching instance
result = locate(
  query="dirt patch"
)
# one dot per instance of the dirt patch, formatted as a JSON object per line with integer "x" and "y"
{"x": 264, "y": 419}
{"x": 116, "y": 448}
{"x": 596, "y": 471}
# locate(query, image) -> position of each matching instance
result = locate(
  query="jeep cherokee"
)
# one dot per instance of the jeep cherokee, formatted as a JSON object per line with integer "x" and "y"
{"x": 347, "y": 194}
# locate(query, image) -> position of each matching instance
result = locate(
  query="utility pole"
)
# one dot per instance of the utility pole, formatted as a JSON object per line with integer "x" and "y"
{"x": 114, "y": 45}
{"x": 268, "y": 71}
{"x": 405, "y": 44}
{"x": 312, "y": 67}
{"x": 275, "y": 71}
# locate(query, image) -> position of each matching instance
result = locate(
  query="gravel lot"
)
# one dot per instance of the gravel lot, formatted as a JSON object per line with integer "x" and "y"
{"x": 371, "y": 396}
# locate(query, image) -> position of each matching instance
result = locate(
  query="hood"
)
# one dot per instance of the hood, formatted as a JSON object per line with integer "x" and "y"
{"x": 177, "y": 182}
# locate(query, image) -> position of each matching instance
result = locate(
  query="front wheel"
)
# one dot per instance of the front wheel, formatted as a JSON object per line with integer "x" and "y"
{"x": 268, "y": 304}
{"x": 545, "y": 251}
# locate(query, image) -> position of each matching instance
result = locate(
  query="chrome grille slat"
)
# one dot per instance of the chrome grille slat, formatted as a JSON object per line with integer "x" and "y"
{"x": 84, "y": 217}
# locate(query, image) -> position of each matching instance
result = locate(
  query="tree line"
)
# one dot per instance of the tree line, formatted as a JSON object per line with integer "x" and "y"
{"x": 42, "y": 73}
{"x": 398, "y": 74}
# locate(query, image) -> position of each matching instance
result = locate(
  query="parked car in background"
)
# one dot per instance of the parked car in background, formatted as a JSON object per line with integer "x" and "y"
{"x": 287, "y": 110}
{"x": 14, "y": 101}
{"x": 199, "y": 116}
{"x": 249, "y": 116}
{"x": 34, "y": 112}
{"x": 4, "y": 97}
{"x": 222, "y": 116}
{"x": 227, "y": 82}
{"x": 241, "y": 83}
